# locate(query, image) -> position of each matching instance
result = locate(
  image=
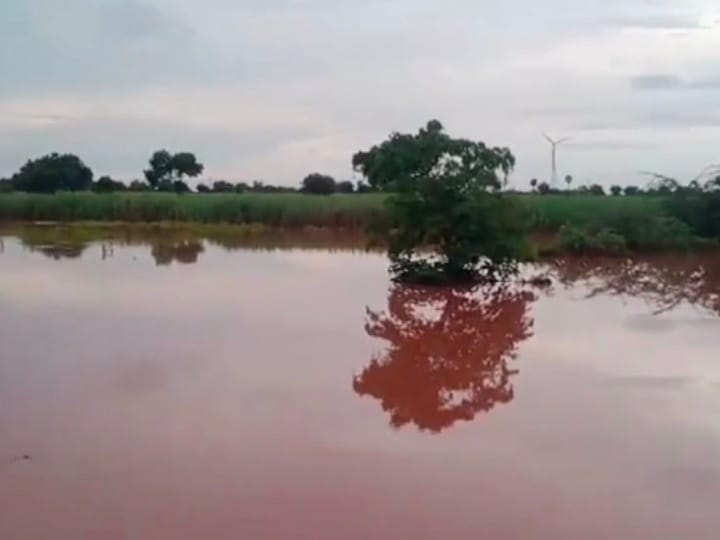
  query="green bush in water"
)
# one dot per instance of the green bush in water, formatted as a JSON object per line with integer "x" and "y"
{"x": 449, "y": 222}
{"x": 627, "y": 232}
{"x": 654, "y": 233}
{"x": 581, "y": 240}
{"x": 699, "y": 210}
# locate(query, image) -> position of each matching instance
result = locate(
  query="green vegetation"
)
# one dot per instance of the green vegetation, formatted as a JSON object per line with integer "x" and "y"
{"x": 698, "y": 208}
{"x": 424, "y": 192}
{"x": 167, "y": 171}
{"x": 642, "y": 220}
{"x": 52, "y": 173}
{"x": 447, "y": 220}
{"x": 552, "y": 212}
{"x": 319, "y": 184}
{"x": 277, "y": 210}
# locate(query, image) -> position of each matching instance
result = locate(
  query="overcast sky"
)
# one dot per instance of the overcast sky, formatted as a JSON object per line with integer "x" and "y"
{"x": 275, "y": 89}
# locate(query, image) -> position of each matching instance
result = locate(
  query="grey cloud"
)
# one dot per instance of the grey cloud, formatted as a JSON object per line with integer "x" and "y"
{"x": 629, "y": 120}
{"x": 33, "y": 116}
{"x": 679, "y": 118}
{"x": 663, "y": 81}
{"x": 712, "y": 83}
{"x": 658, "y": 22}
{"x": 133, "y": 20}
{"x": 605, "y": 145}
{"x": 99, "y": 46}
{"x": 603, "y": 118}
{"x": 657, "y": 81}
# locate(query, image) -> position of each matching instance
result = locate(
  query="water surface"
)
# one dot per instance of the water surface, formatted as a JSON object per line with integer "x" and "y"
{"x": 171, "y": 388}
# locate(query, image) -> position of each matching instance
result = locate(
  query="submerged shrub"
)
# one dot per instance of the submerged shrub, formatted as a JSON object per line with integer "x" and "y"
{"x": 698, "y": 210}
{"x": 653, "y": 232}
{"x": 449, "y": 222}
{"x": 623, "y": 231}
{"x": 585, "y": 241}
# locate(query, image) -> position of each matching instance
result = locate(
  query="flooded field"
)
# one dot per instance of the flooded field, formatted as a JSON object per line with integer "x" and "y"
{"x": 170, "y": 388}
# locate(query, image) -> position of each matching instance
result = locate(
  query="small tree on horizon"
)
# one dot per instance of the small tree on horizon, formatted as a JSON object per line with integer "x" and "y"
{"x": 138, "y": 185}
{"x": 53, "y": 172}
{"x": 543, "y": 188}
{"x": 319, "y": 184}
{"x": 221, "y": 186}
{"x": 363, "y": 187}
{"x": 181, "y": 187}
{"x": 105, "y": 184}
{"x": 6, "y": 185}
{"x": 346, "y": 186}
{"x": 165, "y": 166}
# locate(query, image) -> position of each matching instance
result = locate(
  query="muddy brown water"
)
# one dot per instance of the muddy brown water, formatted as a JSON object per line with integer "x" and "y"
{"x": 178, "y": 389}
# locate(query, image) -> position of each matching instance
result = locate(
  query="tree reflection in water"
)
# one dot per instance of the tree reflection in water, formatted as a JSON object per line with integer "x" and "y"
{"x": 447, "y": 353}
{"x": 59, "y": 251}
{"x": 182, "y": 251}
{"x": 664, "y": 281}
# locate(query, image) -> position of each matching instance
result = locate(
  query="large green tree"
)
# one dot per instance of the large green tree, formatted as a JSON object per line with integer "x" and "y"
{"x": 54, "y": 172}
{"x": 449, "y": 221}
{"x": 166, "y": 167}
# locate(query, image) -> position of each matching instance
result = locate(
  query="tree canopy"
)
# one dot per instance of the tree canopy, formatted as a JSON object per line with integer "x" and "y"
{"x": 319, "y": 184}
{"x": 402, "y": 161}
{"x": 446, "y": 200}
{"x": 105, "y": 184}
{"x": 54, "y": 172}
{"x": 165, "y": 166}
{"x": 345, "y": 186}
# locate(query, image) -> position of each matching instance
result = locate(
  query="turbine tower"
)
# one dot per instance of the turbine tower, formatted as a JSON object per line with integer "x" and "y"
{"x": 555, "y": 144}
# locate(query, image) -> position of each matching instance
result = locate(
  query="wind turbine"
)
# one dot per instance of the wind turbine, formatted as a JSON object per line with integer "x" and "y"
{"x": 555, "y": 144}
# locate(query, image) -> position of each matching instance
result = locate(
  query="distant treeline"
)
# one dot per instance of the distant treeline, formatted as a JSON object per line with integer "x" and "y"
{"x": 663, "y": 215}
{"x": 166, "y": 173}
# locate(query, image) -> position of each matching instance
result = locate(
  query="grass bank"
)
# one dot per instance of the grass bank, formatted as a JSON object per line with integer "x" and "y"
{"x": 565, "y": 223}
{"x": 550, "y": 212}
{"x": 276, "y": 210}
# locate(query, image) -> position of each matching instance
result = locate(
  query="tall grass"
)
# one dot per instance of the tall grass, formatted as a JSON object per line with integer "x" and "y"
{"x": 550, "y": 212}
{"x": 281, "y": 210}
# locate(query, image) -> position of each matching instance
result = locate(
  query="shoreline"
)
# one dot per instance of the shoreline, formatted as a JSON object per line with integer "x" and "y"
{"x": 543, "y": 245}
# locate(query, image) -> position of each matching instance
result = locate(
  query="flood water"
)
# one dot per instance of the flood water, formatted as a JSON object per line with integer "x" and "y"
{"x": 176, "y": 389}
